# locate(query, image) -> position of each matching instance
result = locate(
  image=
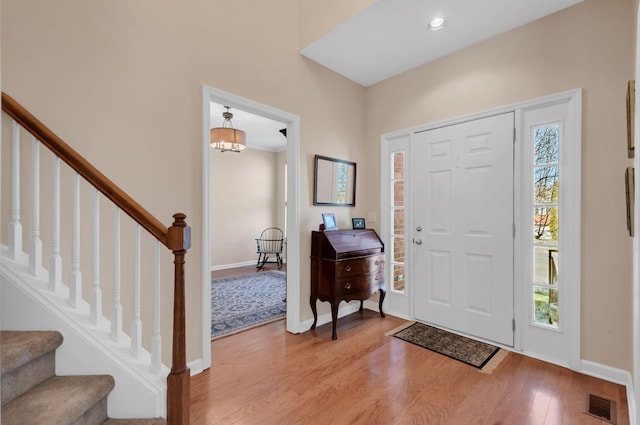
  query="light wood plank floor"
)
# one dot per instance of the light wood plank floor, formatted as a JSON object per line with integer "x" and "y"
{"x": 268, "y": 376}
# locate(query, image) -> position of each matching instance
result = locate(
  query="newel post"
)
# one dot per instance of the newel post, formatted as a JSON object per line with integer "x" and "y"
{"x": 178, "y": 381}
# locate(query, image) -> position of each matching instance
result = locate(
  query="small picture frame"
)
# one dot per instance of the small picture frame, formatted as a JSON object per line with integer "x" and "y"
{"x": 631, "y": 102}
{"x": 358, "y": 223}
{"x": 329, "y": 221}
{"x": 629, "y": 189}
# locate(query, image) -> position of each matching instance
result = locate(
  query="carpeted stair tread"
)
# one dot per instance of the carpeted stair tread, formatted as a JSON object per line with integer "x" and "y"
{"x": 60, "y": 400}
{"x": 154, "y": 421}
{"x": 20, "y": 347}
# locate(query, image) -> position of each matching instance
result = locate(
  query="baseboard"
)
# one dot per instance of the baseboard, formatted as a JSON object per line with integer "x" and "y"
{"x": 546, "y": 359}
{"x": 617, "y": 376}
{"x": 232, "y": 266}
{"x": 608, "y": 373}
{"x": 373, "y": 305}
{"x": 343, "y": 310}
{"x": 196, "y": 367}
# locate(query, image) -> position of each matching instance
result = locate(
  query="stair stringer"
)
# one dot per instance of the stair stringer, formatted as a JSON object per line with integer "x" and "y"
{"x": 26, "y": 303}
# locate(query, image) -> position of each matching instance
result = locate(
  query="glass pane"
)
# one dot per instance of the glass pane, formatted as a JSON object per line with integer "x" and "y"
{"x": 398, "y": 165}
{"x": 398, "y": 277}
{"x": 545, "y": 225}
{"x": 341, "y": 183}
{"x": 546, "y": 182}
{"x": 545, "y": 306}
{"x": 398, "y": 193}
{"x": 398, "y": 221}
{"x": 398, "y": 249}
{"x": 545, "y": 265}
{"x": 546, "y": 142}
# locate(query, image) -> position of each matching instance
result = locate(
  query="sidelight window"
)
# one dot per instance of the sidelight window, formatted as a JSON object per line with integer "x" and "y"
{"x": 398, "y": 219}
{"x": 546, "y": 278}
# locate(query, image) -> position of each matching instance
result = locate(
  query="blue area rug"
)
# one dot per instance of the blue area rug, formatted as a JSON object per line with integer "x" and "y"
{"x": 242, "y": 302}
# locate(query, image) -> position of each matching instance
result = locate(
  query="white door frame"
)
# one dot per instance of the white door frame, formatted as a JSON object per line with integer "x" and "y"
{"x": 521, "y": 297}
{"x": 210, "y": 94}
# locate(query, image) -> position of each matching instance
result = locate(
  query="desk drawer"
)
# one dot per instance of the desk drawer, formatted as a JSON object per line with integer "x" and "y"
{"x": 359, "y": 266}
{"x": 363, "y": 285}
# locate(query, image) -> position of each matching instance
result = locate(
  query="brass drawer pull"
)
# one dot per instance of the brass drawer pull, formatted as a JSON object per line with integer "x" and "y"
{"x": 348, "y": 268}
{"x": 347, "y": 286}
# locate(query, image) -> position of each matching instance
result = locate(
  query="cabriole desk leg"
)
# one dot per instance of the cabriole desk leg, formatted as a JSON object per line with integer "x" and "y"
{"x": 313, "y": 301}
{"x": 334, "y": 319}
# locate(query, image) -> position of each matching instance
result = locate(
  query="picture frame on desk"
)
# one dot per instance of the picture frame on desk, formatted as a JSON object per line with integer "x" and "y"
{"x": 630, "y": 191}
{"x": 358, "y": 223}
{"x": 329, "y": 221}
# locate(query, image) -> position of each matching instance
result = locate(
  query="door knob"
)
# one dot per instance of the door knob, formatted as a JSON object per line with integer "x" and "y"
{"x": 418, "y": 241}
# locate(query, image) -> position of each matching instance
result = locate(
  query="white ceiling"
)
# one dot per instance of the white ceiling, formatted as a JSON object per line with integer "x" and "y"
{"x": 391, "y": 36}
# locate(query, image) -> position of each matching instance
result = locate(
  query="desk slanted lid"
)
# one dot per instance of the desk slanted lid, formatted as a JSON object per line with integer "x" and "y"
{"x": 345, "y": 243}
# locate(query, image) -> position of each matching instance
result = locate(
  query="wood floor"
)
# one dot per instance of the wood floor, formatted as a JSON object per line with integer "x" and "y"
{"x": 268, "y": 376}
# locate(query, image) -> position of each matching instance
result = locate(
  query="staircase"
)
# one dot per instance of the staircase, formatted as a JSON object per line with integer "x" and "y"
{"x": 32, "y": 393}
{"x": 36, "y": 295}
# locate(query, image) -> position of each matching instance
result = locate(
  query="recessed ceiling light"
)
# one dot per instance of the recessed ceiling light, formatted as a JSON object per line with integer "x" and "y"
{"x": 436, "y": 24}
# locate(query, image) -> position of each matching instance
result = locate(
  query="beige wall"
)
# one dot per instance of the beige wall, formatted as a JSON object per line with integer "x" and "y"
{"x": 244, "y": 202}
{"x": 590, "y": 46}
{"x": 122, "y": 83}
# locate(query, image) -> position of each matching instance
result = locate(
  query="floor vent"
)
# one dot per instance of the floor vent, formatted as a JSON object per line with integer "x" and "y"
{"x": 601, "y": 408}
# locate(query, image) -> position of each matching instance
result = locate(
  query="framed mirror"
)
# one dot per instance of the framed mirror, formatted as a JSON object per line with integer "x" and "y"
{"x": 334, "y": 182}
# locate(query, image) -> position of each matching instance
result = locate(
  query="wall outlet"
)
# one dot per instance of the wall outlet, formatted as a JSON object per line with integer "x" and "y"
{"x": 372, "y": 217}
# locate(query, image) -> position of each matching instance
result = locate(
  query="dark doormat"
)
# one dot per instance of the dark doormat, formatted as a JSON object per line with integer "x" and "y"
{"x": 466, "y": 350}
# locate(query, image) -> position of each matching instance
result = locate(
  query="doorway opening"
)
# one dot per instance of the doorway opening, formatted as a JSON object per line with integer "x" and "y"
{"x": 248, "y": 224}
{"x": 289, "y": 217}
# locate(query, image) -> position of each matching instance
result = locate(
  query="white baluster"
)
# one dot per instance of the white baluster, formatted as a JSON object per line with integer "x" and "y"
{"x": 96, "y": 292}
{"x": 156, "y": 340}
{"x": 116, "y": 310}
{"x": 136, "y": 325}
{"x": 35, "y": 244}
{"x": 15, "y": 227}
{"x": 55, "y": 260}
{"x": 75, "y": 290}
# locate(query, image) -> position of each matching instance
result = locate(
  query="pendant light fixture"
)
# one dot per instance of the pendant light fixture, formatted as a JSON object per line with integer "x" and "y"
{"x": 227, "y": 138}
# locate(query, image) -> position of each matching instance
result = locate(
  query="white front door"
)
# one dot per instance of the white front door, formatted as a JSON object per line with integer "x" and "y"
{"x": 463, "y": 227}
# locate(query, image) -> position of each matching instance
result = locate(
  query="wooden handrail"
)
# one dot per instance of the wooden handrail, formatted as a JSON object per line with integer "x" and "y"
{"x": 85, "y": 169}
